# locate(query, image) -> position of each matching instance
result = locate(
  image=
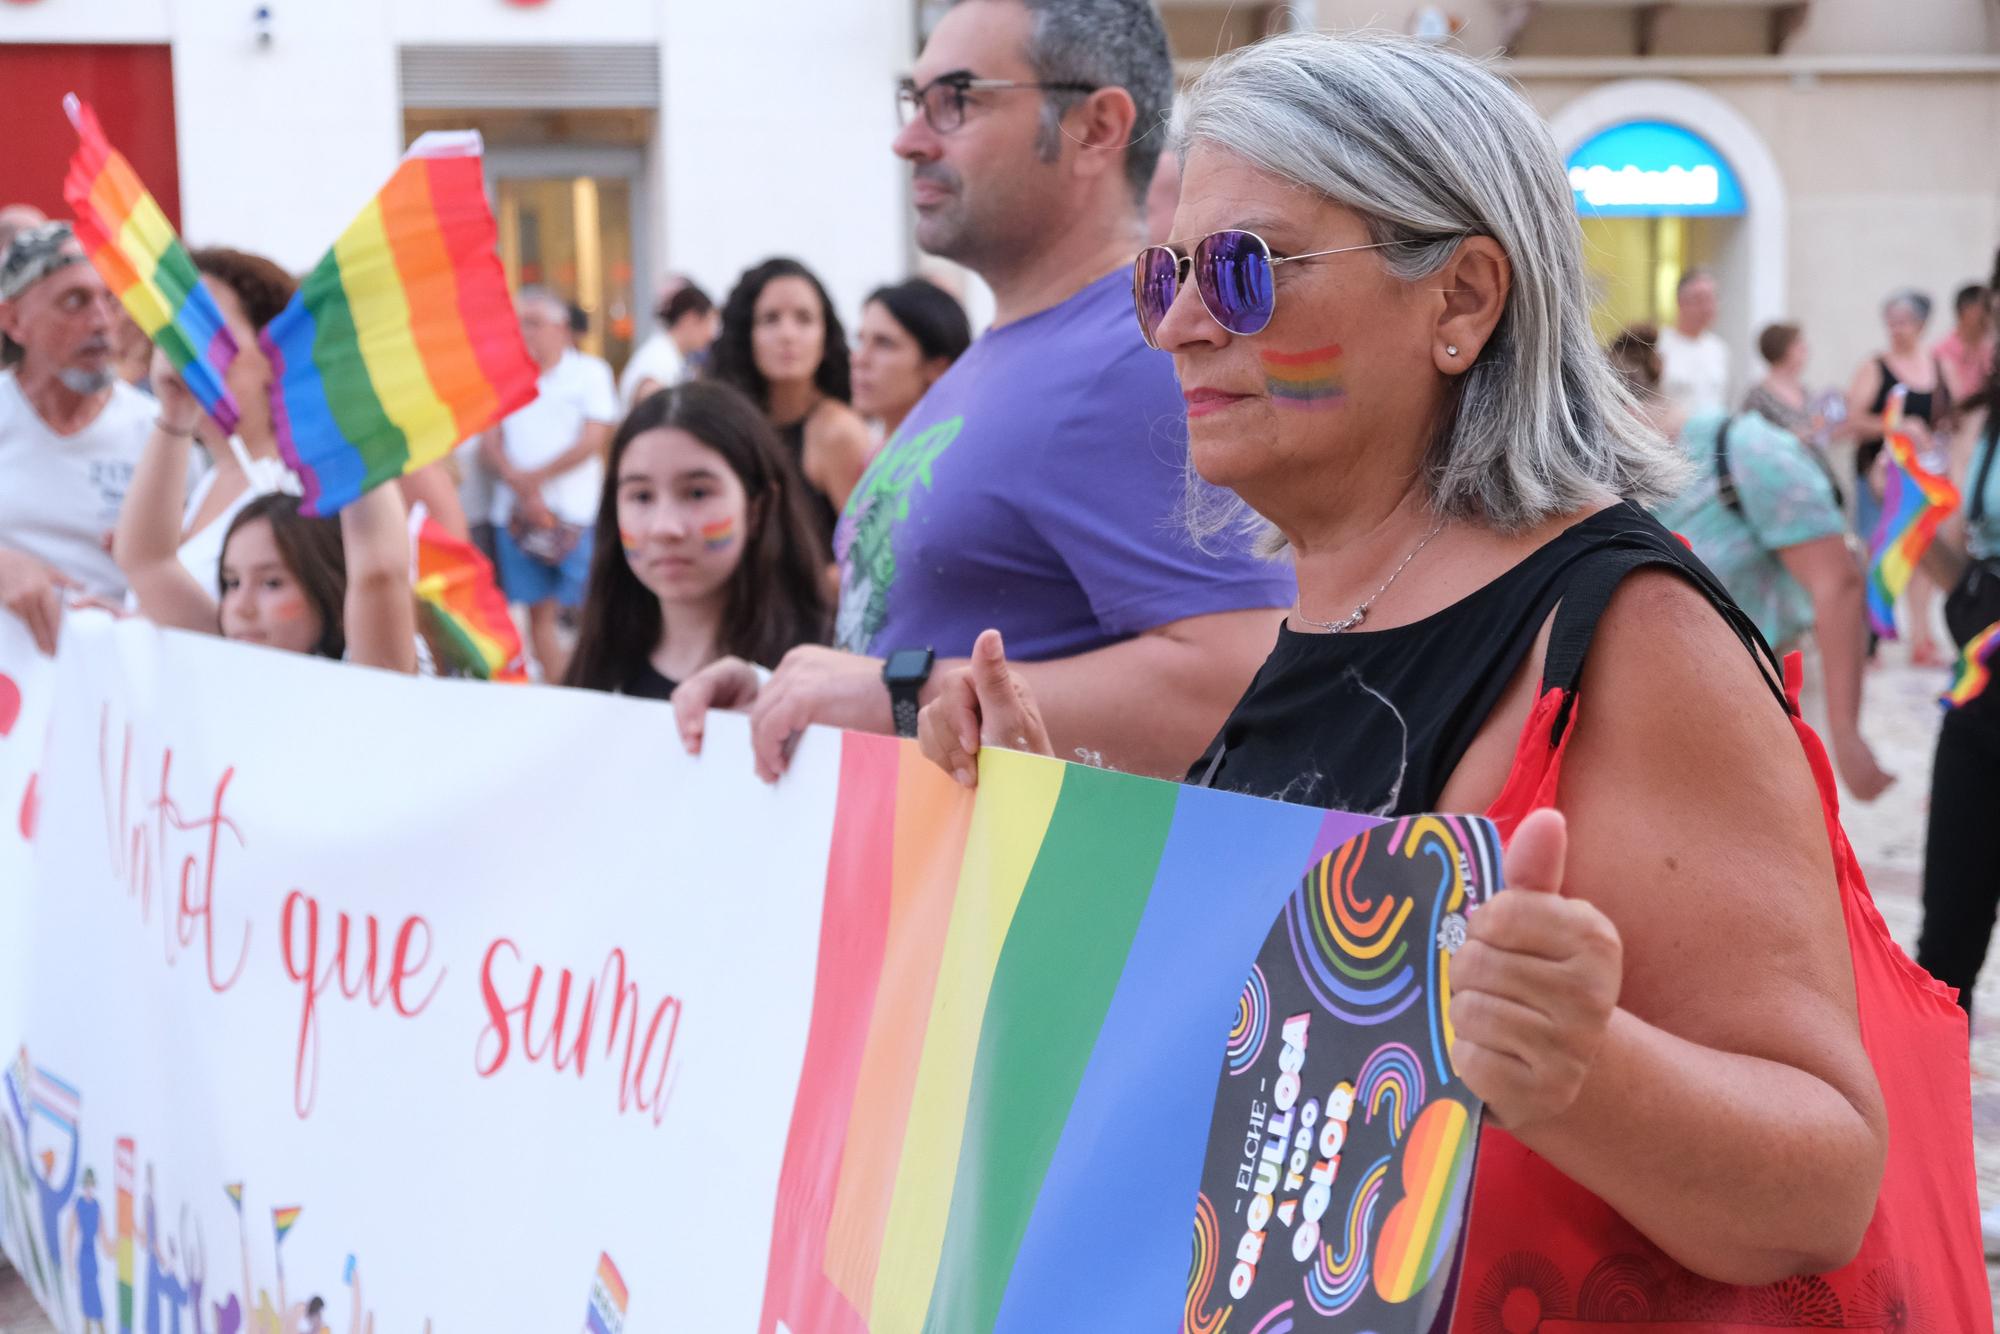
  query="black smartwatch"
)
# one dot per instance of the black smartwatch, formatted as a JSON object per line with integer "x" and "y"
{"x": 905, "y": 673}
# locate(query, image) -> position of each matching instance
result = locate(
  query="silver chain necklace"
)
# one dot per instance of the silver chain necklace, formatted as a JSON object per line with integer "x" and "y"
{"x": 1360, "y": 613}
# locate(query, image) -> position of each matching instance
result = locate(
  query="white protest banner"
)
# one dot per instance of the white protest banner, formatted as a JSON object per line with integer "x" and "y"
{"x": 465, "y": 1006}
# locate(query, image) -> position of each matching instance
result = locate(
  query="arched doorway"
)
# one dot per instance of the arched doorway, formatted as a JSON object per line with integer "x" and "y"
{"x": 1650, "y": 146}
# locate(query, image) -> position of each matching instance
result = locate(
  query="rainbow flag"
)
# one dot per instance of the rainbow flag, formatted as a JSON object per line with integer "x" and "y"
{"x": 468, "y": 612}
{"x": 131, "y": 243}
{"x": 402, "y": 342}
{"x": 282, "y": 1220}
{"x": 234, "y": 1190}
{"x": 1004, "y": 1112}
{"x": 606, "y": 1312}
{"x": 125, "y": 1169}
{"x": 1915, "y": 504}
{"x": 1975, "y": 669}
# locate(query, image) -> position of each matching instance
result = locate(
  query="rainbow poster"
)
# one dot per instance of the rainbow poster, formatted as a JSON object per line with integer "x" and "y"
{"x": 133, "y": 246}
{"x": 1021, "y": 1078}
{"x": 1335, "y": 1197}
{"x": 402, "y": 341}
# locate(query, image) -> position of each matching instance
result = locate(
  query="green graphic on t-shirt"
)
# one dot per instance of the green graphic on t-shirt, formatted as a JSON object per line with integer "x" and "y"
{"x": 878, "y": 505}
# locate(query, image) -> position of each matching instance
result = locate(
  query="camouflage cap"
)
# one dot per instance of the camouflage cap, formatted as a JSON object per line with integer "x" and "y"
{"x": 33, "y": 255}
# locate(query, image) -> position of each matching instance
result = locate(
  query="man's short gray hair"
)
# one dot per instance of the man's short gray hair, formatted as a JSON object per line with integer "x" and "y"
{"x": 546, "y": 298}
{"x": 1106, "y": 44}
{"x": 1429, "y": 147}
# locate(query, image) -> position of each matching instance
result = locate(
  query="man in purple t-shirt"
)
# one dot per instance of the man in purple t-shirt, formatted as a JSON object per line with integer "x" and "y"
{"x": 1037, "y": 488}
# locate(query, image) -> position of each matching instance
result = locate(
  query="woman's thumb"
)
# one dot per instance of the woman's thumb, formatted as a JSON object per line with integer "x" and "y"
{"x": 1535, "y": 857}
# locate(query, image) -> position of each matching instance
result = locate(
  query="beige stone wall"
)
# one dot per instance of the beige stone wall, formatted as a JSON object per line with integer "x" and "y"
{"x": 1890, "y": 182}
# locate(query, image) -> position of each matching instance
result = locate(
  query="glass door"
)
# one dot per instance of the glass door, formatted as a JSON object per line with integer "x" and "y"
{"x": 569, "y": 222}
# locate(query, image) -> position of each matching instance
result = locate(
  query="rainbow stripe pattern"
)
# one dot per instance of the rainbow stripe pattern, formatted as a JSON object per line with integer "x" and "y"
{"x": 1915, "y": 504}
{"x": 1308, "y": 379}
{"x": 1008, "y": 1087}
{"x": 283, "y": 1219}
{"x": 608, "y": 1298}
{"x": 402, "y": 341}
{"x": 133, "y": 246}
{"x": 1975, "y": 669}
{"x": 466, "y": 611}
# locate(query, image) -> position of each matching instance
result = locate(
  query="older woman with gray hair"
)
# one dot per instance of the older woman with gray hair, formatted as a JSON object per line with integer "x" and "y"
{"x": 1375, "y": 301}
{"x": 1926, "y": 408}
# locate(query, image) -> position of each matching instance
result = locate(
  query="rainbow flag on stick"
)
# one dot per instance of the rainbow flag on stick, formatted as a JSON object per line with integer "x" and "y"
{"x": 1915, "y": 504}
{"x": 467, "y": 610}
{"x": 282, "y": 1220}
{"x": 402, "y": 342}
{"x": 1975, "y": 669}
{"x": 131, "y": 243}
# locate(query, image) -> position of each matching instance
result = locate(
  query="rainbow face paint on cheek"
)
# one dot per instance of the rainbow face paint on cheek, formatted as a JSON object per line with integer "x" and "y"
{"x": 720, "y": 535}
{"x": 629, "y": 542}
{"x": 1306, "y": 380}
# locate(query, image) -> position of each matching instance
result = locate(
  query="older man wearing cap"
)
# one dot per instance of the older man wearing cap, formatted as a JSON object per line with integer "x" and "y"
{"x": 70, "y": 430}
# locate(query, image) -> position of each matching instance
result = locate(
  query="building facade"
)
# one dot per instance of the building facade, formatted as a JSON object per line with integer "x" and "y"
{"x": 1816, "y": 155}
{"x": 625, "y": 138}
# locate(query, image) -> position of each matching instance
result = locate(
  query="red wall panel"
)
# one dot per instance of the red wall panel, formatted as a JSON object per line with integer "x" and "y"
{"x": 132, "y": 88}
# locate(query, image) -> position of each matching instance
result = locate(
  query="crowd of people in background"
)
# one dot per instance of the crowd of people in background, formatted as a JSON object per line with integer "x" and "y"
{"x": 1787, "y": 529}
{"x": 763, "y": 513}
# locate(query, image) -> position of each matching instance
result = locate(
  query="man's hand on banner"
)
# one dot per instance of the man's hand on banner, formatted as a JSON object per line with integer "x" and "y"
{"x": 985, "y": 703}
{"x": 33, "y": 591}
{"x": 811, "y": 685}
{"x": 726, "y": 683}
{"x": 1534, "y": 986}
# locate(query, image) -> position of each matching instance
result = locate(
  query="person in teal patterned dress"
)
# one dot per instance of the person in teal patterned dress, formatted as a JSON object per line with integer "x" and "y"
{"x": 1763, "y": 515}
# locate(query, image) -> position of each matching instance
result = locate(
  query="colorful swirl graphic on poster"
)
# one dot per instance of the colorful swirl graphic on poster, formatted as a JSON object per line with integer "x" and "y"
{"x": 1253, "y": 1022}
{"x": 1341, "y": 1146}
{"x": 1392, "y": 1077}
{"x": 1463, "y": 853}
{"x": 1201, "y": 1273}
{"x": 1349, "y": 947}
{"x": 1339, "y": 1278}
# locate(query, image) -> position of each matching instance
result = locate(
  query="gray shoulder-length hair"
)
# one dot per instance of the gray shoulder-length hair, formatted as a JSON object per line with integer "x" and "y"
{"x": 1429, "y": 146}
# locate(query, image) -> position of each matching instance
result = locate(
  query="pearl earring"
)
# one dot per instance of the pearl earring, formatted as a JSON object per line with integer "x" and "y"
{"x": 1450, "y": 351}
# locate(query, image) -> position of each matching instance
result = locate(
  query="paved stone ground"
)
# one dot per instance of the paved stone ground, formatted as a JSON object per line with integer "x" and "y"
{"x": 1901, "y": 721}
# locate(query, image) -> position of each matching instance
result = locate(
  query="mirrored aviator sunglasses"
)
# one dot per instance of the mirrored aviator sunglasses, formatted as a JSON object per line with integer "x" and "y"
{"x": 1234, "y": 275}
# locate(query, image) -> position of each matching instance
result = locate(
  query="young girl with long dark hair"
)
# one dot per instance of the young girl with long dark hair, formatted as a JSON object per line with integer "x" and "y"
{"x": 704, "y": 547}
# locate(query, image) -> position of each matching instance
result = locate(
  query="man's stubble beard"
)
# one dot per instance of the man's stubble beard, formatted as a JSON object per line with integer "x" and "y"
{"x": 86, "y": 383}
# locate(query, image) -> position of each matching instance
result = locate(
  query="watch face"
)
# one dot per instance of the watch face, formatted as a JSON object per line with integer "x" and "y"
{"x": 907, "y": 664}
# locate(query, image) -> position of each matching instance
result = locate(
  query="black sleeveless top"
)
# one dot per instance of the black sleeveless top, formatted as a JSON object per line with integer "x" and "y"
{"x": 1376, "y": 721}
{"x": 793, "y": 437}
{"x": 1926, "y": 404}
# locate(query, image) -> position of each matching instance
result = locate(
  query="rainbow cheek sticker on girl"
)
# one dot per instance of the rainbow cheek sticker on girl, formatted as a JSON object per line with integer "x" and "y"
{"x": 720, "y": 535}
{"x": 1309, "y": 379}
{"x": 629, "y": 542}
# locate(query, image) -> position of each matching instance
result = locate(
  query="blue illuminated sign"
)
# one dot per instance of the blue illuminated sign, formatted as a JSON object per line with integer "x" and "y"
{"x": 1651, "y": 169}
